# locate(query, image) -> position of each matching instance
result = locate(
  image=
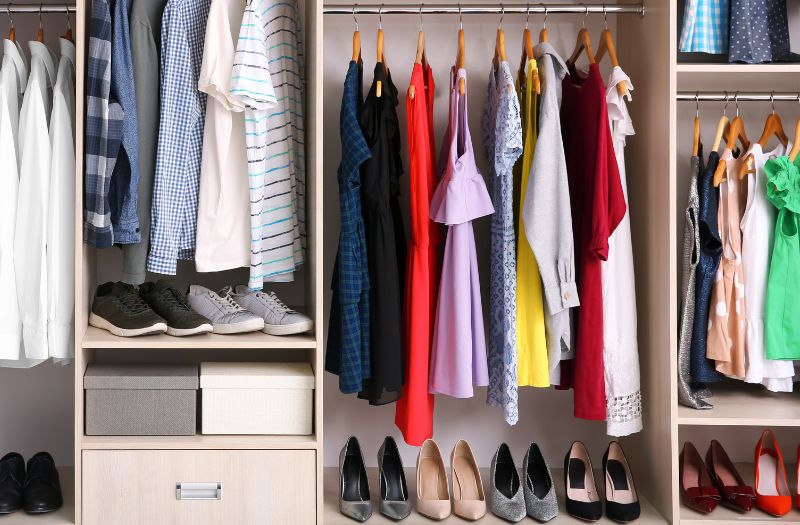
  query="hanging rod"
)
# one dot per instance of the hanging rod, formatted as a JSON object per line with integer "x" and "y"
{"x": 733, "y": 96}
{"x": 479, "y": 9}
{"x": 35, "y": 9}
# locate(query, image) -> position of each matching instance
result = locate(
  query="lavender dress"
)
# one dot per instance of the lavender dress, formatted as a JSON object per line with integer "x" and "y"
{"x": 458, "y": 356}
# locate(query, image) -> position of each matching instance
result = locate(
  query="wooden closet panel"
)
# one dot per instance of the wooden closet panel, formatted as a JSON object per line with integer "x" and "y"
{"x": 127, "y": 487}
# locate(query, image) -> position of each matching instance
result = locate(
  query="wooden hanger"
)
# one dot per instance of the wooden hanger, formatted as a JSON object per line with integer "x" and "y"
{"x": 527, "y": 55}
{"x": 500, "y": 41}
{"x": 543, "y": 36}
{"x": 420, "y": 58}
{"x": 773, "y": 127}
{"x": 40, "y": 31}
{"x": 462, "y": 87}
{"x": 723, "y": 121}
{"x": 12, "y": 33}
{"x": 356, "y": 39}
{"x": 68, "y": 34}
{"x": 583, "y": 43}
{"x": 380, "y": 56}
{"x": 796, "y": 146}
{"x": 696, "y": 137}
{"x": 736, "y": 132}
{"x": 607, "y": 45}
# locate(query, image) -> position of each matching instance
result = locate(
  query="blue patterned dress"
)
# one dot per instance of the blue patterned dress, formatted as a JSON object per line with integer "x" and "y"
{"x": 502, "y": 134}
{"x": 705, "y": 27}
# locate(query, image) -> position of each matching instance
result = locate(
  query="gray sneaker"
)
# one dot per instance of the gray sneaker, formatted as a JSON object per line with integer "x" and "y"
{"x": 225, "y": 314}
{"x": 279, "y": 319}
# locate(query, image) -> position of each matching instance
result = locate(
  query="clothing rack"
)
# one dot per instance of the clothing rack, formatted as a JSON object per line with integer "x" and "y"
{"x": 35, "y": 9}
{"x": 737, "y": 96}
{"x": 481, "y": 9}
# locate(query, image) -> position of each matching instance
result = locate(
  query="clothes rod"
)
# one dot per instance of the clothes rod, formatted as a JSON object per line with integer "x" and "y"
{"x": 35, "y": 9}
{"x": 480, "y": 9}
{"x": 733, "y": 96}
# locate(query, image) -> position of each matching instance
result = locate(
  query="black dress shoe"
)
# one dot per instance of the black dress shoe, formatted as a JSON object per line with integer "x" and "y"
{"x": 583, "y": 501}
{"x": 622, "y": 502}
{"x": 42, "y": 492}
{"x": 12, "y": 476}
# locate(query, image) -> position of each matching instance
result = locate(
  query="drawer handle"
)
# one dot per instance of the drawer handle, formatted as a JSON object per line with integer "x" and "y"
{"x": 198, "y": 491}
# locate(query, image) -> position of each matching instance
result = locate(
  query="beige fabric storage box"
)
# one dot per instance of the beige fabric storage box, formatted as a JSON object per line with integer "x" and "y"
{"x": 256, "y": 398}
{"x": 140, "y": 400}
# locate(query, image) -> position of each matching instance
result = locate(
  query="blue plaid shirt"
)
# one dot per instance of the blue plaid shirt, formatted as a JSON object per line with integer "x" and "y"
{"x": 348, "y": 330}
{"x": 103, "y": 130}
{"x": 180, "y": 135}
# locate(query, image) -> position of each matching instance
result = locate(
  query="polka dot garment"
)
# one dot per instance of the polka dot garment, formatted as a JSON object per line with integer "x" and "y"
{"x": 759, "y": 31}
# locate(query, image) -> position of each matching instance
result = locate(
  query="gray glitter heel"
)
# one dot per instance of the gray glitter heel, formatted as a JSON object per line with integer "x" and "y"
{"x": 538, "y": 487}
{"x": 506, "y": 499}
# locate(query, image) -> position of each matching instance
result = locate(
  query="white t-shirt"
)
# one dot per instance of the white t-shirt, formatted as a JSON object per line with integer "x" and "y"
{"x": 223, "y": 209}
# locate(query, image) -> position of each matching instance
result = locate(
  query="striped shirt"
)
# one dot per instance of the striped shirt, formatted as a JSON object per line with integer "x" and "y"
{"x": 180, "y": 136}
{"x": 268, "y": 78}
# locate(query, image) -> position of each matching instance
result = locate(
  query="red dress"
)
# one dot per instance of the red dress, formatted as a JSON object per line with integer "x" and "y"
{"x": 598, "y": 206}
{"x": 414, "y": 413}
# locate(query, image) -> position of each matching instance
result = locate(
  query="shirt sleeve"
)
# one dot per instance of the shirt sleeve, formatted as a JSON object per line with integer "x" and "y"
{"x": 178, "y": 110}
{"x": 218, "y": 56}
{"x": 609, "y": 198}
{"x": 251, "y": 83}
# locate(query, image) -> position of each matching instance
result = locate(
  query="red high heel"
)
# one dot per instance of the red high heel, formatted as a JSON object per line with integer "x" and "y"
{"x": 797, "y": 494}
{"x": 772, "y": 489}
{"x": 697, "y": 490}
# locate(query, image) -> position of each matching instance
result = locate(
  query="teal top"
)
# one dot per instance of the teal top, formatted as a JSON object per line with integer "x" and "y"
{"x": 783, "y": 286}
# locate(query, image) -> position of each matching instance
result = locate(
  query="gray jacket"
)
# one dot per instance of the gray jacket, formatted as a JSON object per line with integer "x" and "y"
{"x": 547, "y": 215}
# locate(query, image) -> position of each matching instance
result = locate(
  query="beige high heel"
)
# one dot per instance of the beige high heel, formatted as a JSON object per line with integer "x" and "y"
{"x": 469, "y": 501}
{"x": 433, "y": 495}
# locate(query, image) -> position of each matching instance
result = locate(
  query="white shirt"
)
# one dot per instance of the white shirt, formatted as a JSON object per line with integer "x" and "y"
{"x": 61, "y": 219}
{"x": 32, "y": 202}
{"x": 13, "y": 79}
{"x": 223, "y": 210}
{"x": 620, "y": 346}
{"x": 758, "y": 228}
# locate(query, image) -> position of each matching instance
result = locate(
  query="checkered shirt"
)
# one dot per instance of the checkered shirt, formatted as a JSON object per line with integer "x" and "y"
{"x": 103, "y": 131}
{"x": 705, "y": 26}
{"x": 180, "y": 136}
{"x": 348, "y": 335}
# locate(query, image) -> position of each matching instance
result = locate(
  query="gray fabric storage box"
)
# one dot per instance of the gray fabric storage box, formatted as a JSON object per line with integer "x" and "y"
{"x": 141, "y": 400}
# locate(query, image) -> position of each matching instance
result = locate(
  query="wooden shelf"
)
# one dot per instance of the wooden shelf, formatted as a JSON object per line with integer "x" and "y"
{"x": 746, "y": 405}
{"x": 97, "y": 338}
{"x": 738, "y": 68}
{"x": 63, "y": 516}
{"x": 721, "y": 515}
{"x": 332, "y": 516}
{"x": 198, "y": 442}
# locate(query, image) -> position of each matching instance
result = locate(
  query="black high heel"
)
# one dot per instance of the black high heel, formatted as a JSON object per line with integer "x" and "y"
{"x": 394, "y": 491}
{"x": 622, "y": 502}
{"x": 582, "y": 501}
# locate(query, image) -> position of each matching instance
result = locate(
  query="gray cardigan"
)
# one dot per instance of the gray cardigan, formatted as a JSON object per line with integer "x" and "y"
{"x": 547, "y": 215}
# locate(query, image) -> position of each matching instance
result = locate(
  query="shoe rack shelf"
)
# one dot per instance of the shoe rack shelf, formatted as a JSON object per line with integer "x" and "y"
{"x": 97, "y": 338}
{"x": 740, "y": 410}
{"x": 332, "y": 516}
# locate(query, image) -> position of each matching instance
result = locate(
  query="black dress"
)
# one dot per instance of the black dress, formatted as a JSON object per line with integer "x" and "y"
{"x": 386, "y": 241}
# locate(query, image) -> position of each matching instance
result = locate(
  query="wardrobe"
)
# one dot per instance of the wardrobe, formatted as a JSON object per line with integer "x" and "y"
{"x": 293, "y": 479}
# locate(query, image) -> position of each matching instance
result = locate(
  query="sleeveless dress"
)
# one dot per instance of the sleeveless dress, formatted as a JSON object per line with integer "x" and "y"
{"x": 687, "y": 395}
{"x": 783, "y": 288}
{"x": 758, "y": 225}
{"x": 502, "y": 132}
{"x": 533, "y": 366}
{"x": 458, "y": 355}
{"x": 702, "y": 368}
{"x": 726, "y": 327}
{"x": 386, "y": 244}
{"x": 759, "y": 32}
{"x": 414, "y": 410}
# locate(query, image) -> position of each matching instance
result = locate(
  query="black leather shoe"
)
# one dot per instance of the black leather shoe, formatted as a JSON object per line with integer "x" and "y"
{"x": 12, "y": 476}
{"x": 622, "y": 502}
{"x": 583, "y": 501}
{"x": 42, "y": 492}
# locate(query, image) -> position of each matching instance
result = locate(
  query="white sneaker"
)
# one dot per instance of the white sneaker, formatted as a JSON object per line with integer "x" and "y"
{"x": 279, "y": 319}
{"x": 226, "y": 316}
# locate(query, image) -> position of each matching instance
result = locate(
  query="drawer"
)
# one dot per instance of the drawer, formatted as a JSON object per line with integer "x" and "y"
{"x": 258, "y": 487}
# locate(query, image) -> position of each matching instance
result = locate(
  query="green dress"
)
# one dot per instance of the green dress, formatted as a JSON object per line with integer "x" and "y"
{"x": 782, "y": 316}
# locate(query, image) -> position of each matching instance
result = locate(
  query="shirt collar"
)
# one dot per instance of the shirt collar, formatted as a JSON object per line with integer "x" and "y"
{"x": 40, "y": 51}
{"x": 13, "y": 51}
{"x": 546, "y": 48}
{"x": 67, "y": 50}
